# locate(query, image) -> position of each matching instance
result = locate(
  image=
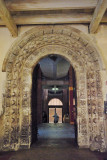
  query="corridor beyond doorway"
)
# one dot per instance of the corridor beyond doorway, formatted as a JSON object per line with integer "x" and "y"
{"x": 55, "y": 135}
{"x": 56, "y": 131}
{"x": 53, "y": 97}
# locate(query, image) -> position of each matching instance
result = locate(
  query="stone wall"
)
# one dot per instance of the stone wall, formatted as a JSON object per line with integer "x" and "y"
{"x": 6, "y": 41}
{"x": 90, "y": 77}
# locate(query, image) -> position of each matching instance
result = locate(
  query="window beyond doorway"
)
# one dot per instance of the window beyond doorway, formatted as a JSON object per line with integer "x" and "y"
{"x": 55, "y": 102}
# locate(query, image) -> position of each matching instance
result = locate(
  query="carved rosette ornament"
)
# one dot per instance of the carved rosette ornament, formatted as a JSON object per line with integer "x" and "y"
{"x": 21, "y": 60}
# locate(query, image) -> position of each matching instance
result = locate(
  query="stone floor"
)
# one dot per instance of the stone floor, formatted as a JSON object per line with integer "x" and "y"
{"x": 56, "y": 131}
{"x": 55, "y": 142}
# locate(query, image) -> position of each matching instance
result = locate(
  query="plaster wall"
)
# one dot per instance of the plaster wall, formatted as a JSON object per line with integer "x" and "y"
{"x": 101, "y": 40}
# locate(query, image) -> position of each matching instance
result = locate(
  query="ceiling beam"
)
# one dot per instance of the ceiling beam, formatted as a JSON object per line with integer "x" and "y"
{"x": 7, "y": 19}
{"x": 97, "y": 16}
{"x": 28, "y": 5}
{"x": 53, "y": 19}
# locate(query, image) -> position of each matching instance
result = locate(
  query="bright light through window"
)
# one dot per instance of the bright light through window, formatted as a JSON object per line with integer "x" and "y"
{"x": 55, "y": 102}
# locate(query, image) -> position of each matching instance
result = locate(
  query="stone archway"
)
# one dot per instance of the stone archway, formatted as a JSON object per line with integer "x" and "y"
{"x": 19, "y": 64}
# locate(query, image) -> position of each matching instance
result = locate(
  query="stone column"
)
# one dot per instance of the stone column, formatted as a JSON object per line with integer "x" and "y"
{"x": 39, "y": 97}
{"x": 71, "y": 114}
{"x": 45, "y": 102}
{"x": 65, "y": 107}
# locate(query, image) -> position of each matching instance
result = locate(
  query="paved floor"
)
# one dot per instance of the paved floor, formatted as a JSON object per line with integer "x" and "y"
{"x": 56, "y": 131}
{"x": 54, "y": 143}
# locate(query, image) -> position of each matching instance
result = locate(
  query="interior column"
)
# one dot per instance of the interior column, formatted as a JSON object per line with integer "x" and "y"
{"x": 39, "y": 97}
{"x": 71, "y": 112}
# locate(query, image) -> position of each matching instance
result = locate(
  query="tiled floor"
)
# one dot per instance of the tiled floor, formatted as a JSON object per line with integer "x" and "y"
{"x": 55, "y": 142}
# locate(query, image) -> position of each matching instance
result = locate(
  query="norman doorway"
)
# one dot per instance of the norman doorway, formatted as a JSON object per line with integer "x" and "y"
{"x": 53, "y": 100}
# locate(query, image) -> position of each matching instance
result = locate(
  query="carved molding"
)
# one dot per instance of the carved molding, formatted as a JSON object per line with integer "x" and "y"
{"x": 19, "y": 64}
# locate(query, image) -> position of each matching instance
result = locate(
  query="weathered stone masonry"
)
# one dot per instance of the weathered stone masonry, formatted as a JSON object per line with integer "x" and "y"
{"x": 19, "y": 63}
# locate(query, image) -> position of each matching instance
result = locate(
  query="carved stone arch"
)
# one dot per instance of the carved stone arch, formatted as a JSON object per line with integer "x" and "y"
{"x": 69, "y": 31}
{"x": 19, "y": 64}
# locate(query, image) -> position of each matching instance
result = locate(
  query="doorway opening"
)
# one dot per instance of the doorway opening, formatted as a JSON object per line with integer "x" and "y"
{"x": 53, "y": 100}
{"x": 19, "y": 63}
{"x": 55, "y": 110}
